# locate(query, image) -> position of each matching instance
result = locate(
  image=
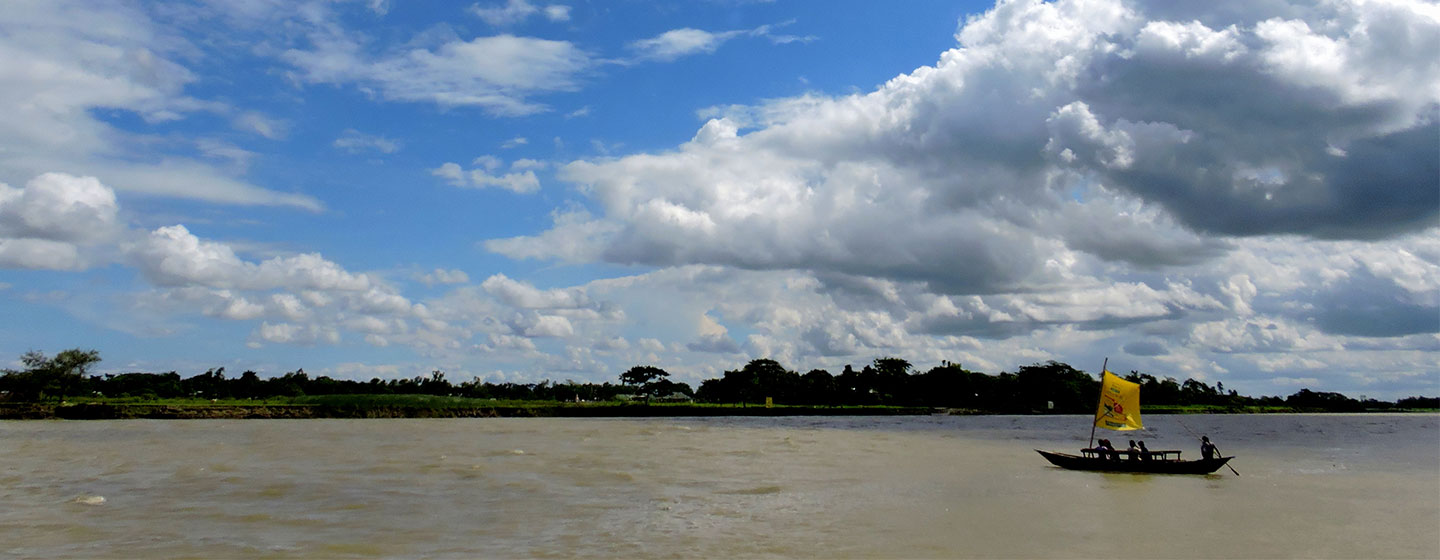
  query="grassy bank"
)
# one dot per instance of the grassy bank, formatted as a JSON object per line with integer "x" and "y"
{"x": 407, "y": 406}
{"x": 429, "y": 406}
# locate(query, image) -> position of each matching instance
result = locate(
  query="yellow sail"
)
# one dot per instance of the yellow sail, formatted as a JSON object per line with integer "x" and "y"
{"x": 1119, "y": 404}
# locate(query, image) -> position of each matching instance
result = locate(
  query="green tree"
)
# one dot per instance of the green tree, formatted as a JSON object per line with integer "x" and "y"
{"x": 1038, "y": 385}
{"x": 770, "y": 379}
{"x": 645, "y": 378}
{"x": 818, "y": 387}
{"x": 892, "y": 380}
{"x": 1197, "y": 392}
{"x": 1323, "y": 400}
{"x": 248, "y": 386}
{"x": 46, "y": 377}
{"x": 950, "y": 385}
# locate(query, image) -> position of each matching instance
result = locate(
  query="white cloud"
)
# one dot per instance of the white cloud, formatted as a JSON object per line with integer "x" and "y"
{"x": 676, "y": 43}
{"x": 287, "y": 333}
{"x": 52, "y": 219}
{"x": 172, "y": 256}
{"x": 354, "y": 141}
{"x": 58, "y": 207}
{"x": 241, "y": 309}
{"x": 451, "y": 173}
{"x": 1240, "y": 291}
{"x": 548, "y": 326}
{"x": 498, "y": 74}
{"x": 521, "y": 179}
{"x": 444, "y": 276}
{"x": 1191, "y": 39}
{"x": 1255, "y": 335}
{"x": 686, "y": 41}
{"x": 516, "y": 11}
{"x": 526, "y": 163}
{"x": 257, "y": 123}
{"x": 489, "y": 162}
{"x": 239, "y": 158}
{"x": 301, "y": 299}
{"x": 575, "y": 237}
{"x": 39, "y": 254}
{"x": 522, "y": 183}
{"x": 378, "y": 299}
{"x": 712, "y": 337}
{"x": 185, "y": 178}
{"x": 557, "y": 12}
{"x": 65, "y": 62}
{"x": 287, "y": 306}
{"x": 375, "y": 325}
{"x": 510, "y": 342}
{"x": 525, "y": 296}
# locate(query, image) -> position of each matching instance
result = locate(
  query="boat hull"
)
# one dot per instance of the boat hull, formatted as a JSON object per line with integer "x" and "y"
{"x": 1078, "y": 463}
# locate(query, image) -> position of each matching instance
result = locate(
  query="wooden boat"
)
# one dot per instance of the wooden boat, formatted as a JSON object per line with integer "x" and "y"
{"x": 1159, "y": 464}
{"x": 1119, "y": 410}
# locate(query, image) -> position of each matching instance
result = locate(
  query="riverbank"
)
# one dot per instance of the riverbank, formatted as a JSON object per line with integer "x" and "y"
{"x": 122, "y": 411}
{"x": 429, "y": 406}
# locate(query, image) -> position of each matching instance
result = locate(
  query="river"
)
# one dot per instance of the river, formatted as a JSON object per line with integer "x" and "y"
{"x": 1309, "y": 486}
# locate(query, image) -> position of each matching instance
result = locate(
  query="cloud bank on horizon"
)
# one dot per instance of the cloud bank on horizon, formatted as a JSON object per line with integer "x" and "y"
{"x": 1245, "y": 192}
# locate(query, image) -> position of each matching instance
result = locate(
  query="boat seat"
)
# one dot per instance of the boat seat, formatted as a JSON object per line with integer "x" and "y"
{"x": 1155, "y": 454}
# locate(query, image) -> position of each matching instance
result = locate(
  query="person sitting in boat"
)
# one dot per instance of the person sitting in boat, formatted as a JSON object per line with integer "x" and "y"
{"x": 1105, "y": 450}
{"x": 1144, "y": 452}
{"x": 1207, "y": 449}
{"x": 1134, "y": 452}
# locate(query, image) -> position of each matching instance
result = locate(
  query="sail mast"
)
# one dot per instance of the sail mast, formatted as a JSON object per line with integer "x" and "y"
{"x": 1098, "y": 397}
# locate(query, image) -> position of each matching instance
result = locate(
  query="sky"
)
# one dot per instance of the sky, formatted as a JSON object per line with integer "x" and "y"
{"x": 1244, "y": 192}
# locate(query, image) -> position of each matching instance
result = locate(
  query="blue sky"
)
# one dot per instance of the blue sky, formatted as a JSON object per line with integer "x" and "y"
{"x": 1239, "y": 192}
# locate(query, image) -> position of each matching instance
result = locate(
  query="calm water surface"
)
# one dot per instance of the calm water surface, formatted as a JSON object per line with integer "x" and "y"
{"x": 1312, "y": 486}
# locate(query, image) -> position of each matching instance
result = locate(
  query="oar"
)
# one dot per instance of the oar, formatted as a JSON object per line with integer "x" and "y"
{"x": 1227, "y": 463}
{"x": 1212, "y": 444}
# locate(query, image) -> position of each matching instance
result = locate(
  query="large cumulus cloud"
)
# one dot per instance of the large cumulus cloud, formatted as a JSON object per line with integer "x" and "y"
{"x": 1049, "y": 125}
{"x": 53, "y": 221}
{"x": 1237, "y": 190}
{"x": 1324, "y": 126}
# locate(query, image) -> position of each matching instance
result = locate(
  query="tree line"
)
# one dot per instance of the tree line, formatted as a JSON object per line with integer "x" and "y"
{"x": 1048, "y": 387}
{"x": 65, "y": 375}
{"x": 1043, "y": 387}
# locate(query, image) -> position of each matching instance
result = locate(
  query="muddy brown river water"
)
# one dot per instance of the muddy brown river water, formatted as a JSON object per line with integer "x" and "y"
{"x": 1311, "y": 486}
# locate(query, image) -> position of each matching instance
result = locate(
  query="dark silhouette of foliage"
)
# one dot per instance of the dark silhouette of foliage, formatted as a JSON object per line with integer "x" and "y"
{"x": 652, "y": 381}
{"x": 1157, "y": 391}
{"x": 1334, "y": 402}
{"x": 885, "y": 381}
{"x": 1418, "y": 402}
{"x": 46, "y": 377}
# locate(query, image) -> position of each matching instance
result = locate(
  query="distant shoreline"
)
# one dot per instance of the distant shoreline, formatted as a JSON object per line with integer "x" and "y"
{"x": 233, "y": 411}
{"x": 127, "y": 411}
